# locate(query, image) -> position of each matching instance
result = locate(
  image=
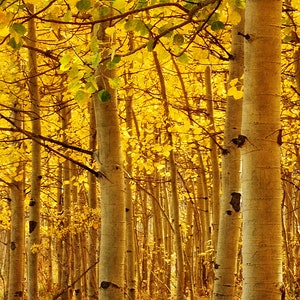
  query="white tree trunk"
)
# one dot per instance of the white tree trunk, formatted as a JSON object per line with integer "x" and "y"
{"x": 16, "y": 261}
{"x": 112, "y": 185}
{"x": 34, "y": 204}
{"x": 230, "y": 219}
{"x": 261, "y": 184}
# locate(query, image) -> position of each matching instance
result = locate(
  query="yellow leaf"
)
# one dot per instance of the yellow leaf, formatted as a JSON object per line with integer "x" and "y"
{"x": 234, "y": 17}
{"x": 233, "y": 82}
{"x": 119, "y": 5}
{"x": 235, "y": 93}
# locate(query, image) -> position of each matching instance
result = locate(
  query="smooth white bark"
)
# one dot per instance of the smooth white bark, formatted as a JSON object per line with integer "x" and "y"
{"x": 261, "y": 184}
{"x": 230, "y": 219}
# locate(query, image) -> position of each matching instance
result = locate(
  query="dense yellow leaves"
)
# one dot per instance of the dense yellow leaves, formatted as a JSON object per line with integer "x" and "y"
{"x": 67, "y": 57}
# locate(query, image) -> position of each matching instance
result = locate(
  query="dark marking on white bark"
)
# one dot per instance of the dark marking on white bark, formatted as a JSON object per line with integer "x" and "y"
{"x": 236, "y": 201}
{"x": 13, "y": 246}
{"x": 229, "y": 212}
{"x": 216, "y": 266}
{"x": 18, "y": 294}
{"x": 32, "y": 203}
{"x": 107, "y": 284}
{"x": 282, "y": 290}
{"x": 225, "y": 151}
{"x": 239, "y": 141}
{"x": 32, "y": 225}
{"x": 246, "y": 36}
{"x": 279, "y": 137}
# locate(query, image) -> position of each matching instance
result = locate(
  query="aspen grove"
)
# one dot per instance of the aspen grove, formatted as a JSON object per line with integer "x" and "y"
{"x": 149, "y": 149}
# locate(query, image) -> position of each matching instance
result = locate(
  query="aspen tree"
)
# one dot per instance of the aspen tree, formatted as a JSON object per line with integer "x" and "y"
{"x": 66, "y": 209}
{"x": 214, "y": 159}
{"x": 130, "y": 251}
{"x": 261, "y": 178}
{"x": 92, "y": 199}
{"x": 16, "y": 246}
{"x": 34, "y": 204}
{"x": 174, "y": 191}
{"x": 230, "y": 217}
{"x": 112, "y": 185}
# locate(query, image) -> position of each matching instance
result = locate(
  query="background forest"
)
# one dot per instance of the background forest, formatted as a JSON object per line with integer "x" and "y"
{"x": 125, "y": 117}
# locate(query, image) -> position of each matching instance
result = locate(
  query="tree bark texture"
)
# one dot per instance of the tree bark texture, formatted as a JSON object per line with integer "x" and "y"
{"x": 261, "y": 179}
{"x": 34, "y": 204}
{"x": 230, "y": 217}
{"x": 112, "y": 186}
{"x": 16, "y": 245}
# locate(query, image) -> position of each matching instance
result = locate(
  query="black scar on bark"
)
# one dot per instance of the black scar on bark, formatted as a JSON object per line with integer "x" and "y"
{"x": 32, "y": 225}
{"x": 246, "y": 36}
{"x": 239, "y": 141}
{"x": 107, "y": 284}
{"x": 279, "y": 137}
{"x": 236, "y": 201}
{"x": 13, "y": 246}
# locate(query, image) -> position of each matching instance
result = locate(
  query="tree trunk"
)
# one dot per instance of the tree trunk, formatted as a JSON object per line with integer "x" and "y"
{"x": 93, "y": 232}
{"x": 214, "y": 160}
{"x": 230, "y": 218}
{"x": 16, "y": 245}
{"x": 260, "y": 145}
{"x": 112, "y": 186}
{"x": 130, "y": 251}
{"x": 174, "y": 193}
{"x": 66, "y": 207}
{"x": 34, "y": 204}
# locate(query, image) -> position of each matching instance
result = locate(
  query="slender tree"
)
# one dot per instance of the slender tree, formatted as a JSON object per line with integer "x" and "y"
{"x": 174, "y": 190}
{"x": 214, "y": 159}
{"x": 260, "y": 144}
{"x": 112, "y": 185}
{"x": 16, "y": 187}
{"x": 230, "y": 217}
{"x": 92, "y": 199}
{"x": 130, "y": 251}
{"x": 34, "y": 204}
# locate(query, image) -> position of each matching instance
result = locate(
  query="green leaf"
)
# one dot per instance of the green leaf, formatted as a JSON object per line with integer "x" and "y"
{"x": 130, "y": 25}
{"x": 240, "y": 3}
{"x": 142, "y": 27}
{"x": 165, "y": 29}
{"x": 183, "y": 59}
{"x": 136, "y": 25}
{"x": 103, "y": 95}
{"x": 81, "y": 96}
{"x": 68, "y": 16}
{"x": 217, "y": 25}
{"x": 83, "y": 5}
{"x": 141, "y": 4}
{"x": 115, "y": 83}
{"x": 178, "y": 39}
{"x": 150, "y": 45}
{"x": 111, "y": 64}
{"x": 65, "y": 62}
{"x": 19, "y": 28}
{"x": 94, "y": 44}
{"x": 91, "y": 85}
{"x": 16, "y": 46}
{"x": 103, "y": 12}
